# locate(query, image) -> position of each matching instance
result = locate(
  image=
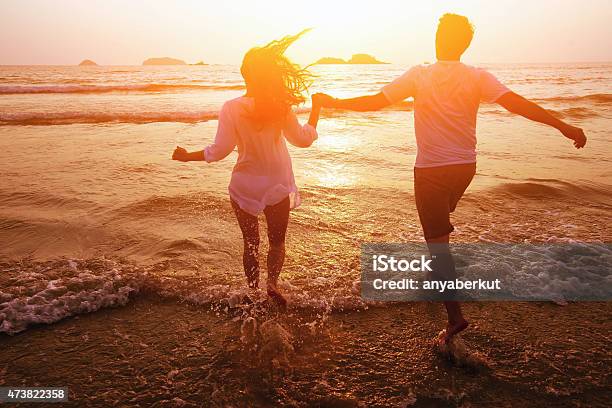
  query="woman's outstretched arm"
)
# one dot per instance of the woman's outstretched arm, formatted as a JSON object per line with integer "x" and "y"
{"x": 224, "y": 144}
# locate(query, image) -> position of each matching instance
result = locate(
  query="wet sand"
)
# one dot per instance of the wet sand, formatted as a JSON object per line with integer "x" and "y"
{"x": 155, "y": 352}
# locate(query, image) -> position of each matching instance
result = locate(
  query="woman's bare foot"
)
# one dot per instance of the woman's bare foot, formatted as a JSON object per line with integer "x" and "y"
{"x": 452, "y": 330}
{"x": 276, "y": 296}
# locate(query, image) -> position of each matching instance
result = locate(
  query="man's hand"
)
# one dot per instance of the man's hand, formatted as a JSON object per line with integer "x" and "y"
{"x": 323, "y": 100}
{"x": 517, "y": 104}
{"x": 576, "y": 134}
{"x": 180, "y": 154}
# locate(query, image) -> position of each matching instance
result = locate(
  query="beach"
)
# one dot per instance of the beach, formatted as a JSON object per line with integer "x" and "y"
{"x": 121, "y": 273}
{"x": 164, "y": 353}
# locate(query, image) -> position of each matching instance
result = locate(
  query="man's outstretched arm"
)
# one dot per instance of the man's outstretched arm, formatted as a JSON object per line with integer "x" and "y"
{"x": 517, "y": 104}
{"x": 360, "y": 104}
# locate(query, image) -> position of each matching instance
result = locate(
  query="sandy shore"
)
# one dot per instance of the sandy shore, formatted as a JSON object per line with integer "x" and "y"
{"x": 164, "y": 353}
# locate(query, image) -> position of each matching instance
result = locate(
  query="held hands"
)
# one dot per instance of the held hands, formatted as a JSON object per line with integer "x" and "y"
{"x": 576, "y": 134}
{"x": 319, "y": 100}
{"x": 180, "y": 154}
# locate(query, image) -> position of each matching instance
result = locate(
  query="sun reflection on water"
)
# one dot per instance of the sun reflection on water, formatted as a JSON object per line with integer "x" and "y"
{"x": 333, "y": 175}
{"x": 338, "y": 137}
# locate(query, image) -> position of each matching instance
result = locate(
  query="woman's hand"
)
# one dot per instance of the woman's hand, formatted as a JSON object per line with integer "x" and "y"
{"x": 180, "y": 154}
{"x": 315, "y": 112}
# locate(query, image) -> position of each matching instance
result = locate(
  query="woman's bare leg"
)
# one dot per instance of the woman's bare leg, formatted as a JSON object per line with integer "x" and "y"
{"x": 250, "y": 236}
{"x": 277, "y": 218}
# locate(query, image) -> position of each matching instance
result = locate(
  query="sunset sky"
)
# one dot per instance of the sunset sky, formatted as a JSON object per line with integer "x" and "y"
{"x": 115, "y": 32}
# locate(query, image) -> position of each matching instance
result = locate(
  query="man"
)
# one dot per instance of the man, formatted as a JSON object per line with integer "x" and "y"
{"x": 446, "y": 99}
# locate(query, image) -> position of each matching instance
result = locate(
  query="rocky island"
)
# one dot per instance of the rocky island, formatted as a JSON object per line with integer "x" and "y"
{"x": 87, "y": 63}
{"x": 331, "y": 60}
{"x": 163, "y": 61}
{"x": 355, "y": 59}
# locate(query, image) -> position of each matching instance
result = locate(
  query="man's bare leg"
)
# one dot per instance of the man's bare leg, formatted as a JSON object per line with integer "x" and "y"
{"x": 456, "y": 322}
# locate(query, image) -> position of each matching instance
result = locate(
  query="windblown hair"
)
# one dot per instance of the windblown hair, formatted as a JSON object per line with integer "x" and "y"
{"x": 454, "y": 34}
{"x": 273, "y": 80}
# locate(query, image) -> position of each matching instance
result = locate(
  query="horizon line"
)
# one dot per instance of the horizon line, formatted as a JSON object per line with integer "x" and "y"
{"x": 233, "y": 64}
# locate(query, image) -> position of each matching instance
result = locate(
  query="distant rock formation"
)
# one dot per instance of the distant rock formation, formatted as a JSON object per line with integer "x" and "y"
{"x": 355, "y": 59}
{"x": 199, "y": 63}
{"x": 331, "y": 60}
{"x": 164, "y": 61}
{"x": 364, "y": 59}
{"x": 87, "y": 63}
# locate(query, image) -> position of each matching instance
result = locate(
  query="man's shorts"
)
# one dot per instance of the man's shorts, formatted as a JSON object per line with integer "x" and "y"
{"x": 437, "y": 191}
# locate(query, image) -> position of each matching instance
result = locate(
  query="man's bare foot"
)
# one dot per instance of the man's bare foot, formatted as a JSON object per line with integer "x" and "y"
{"x": 453, "y": 330}
{"x": 276, "y": 296}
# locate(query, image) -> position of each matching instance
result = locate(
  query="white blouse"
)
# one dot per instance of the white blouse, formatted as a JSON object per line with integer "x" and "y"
{"x": 263, "y": 174}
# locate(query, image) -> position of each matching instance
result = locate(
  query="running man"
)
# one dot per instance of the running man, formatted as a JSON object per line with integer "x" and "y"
{"x": 447, "y": 95}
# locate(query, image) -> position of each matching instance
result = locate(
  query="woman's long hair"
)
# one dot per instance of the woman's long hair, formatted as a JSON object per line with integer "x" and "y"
{"x": 273, "y": 80}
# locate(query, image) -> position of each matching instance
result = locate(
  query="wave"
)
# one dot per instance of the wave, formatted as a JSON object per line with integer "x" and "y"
{"x": 573, "y": 113}
{"x": 555, "y": 80}
{"x": 162, "y": 87}
{"x": 556, "y": 189}
{"x": 80, "y": 117}
{"x": 44, "y": 200}
{"x": 69, "y": 118}
{"x": 595, "y": 98}
{"x": 576, "y": 113}
{"x": 46, "y": 292}
{"x": 66, "y": 118}
{"x": 95, "y": 89}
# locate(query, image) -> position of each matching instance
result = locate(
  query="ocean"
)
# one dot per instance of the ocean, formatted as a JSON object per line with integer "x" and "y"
{"x": 94, "y": 214}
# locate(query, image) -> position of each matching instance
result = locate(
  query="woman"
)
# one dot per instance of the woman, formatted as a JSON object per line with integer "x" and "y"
{"x": 262, "y": 179}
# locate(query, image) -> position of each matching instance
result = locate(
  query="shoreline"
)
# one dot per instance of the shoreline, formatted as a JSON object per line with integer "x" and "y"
{"x": 142, "y": 353}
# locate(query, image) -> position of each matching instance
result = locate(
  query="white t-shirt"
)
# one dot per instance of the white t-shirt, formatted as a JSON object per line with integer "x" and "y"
{"x": 263, "y": 174}
{"x": 447, "y": 95}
